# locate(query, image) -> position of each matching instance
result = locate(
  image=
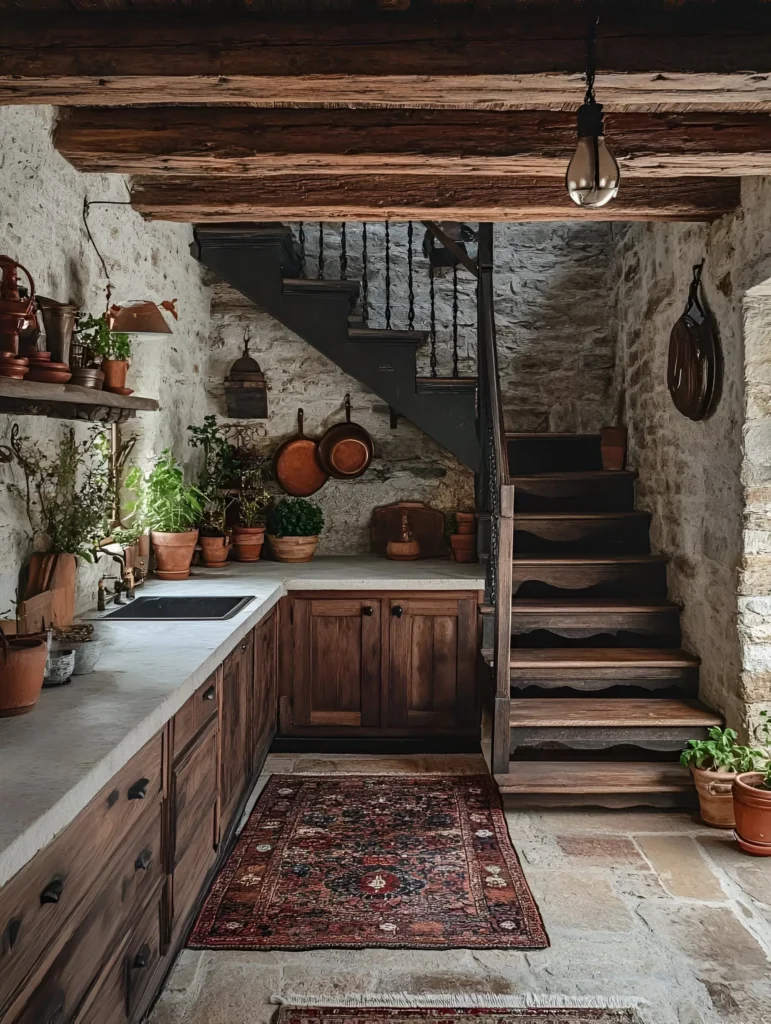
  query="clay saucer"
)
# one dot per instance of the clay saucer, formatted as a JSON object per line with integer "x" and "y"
{"x": 39, "y": 357}
{"x": 12, "y": 366}
{"x": 758, "y": 849}
{"x": 120, "y": 391}
{"x": 48, "y": 375}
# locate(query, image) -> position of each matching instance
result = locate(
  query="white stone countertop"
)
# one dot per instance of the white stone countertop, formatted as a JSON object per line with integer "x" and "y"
{"x": 54, "y": 760}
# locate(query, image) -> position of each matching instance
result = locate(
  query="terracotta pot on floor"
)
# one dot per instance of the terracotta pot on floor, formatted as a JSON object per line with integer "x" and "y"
{"x": 467, "y": 522}
{"x": 716, "y": 801}
{"x": 464, "y": 547}
{"x": 247, "y": 543}
{"x": 752, "y": 809}
{"x": 22, "y": 668}
{"x": 114, "y": 371}
{"x": 613, "y": 448}
{"x": 293, "y": 549}
{"x": 174, "y": 553}
{"x": 214, "y": 551}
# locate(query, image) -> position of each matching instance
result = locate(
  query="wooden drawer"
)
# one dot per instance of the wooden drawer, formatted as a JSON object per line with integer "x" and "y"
{"x": 41, "y": 905}
{"x": 142, "y": 957}
{"x": 193, "y": 715}
{"x": 191, "y": 873}
{"x": 106, "y": 1000}
{"x": 132, "y": 878}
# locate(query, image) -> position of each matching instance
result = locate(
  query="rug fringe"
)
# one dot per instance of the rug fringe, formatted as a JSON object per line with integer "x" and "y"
{"x": 455, "y": 1000}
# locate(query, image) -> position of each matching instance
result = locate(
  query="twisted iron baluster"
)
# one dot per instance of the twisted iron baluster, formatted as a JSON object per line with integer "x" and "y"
{"x": 365, "y": 278}
{"x": 388, "y": 275}
{"x": 343, "y": 253}
{"x": 432, "y": 296}
{"x": 410, "y": 281}
{"x": 301, "y": 235}
{"x": 455, "y": 319}
{"x": 321, "y": 250}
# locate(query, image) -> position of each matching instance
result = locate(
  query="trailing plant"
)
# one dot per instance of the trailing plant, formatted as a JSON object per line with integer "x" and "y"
{"x": 66, "y": 491}
{"x": 164, "y": 502}
{"x": 95, "y": 336}
{"x": 254, "y": 499}
{"x": 721, "y": 753}
{"x": 296, "y": 517}
{"x": 221, "y": 465}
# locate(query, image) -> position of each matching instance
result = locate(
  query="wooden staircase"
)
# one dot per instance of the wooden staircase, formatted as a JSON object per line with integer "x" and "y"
{"x": 602, "y": 697}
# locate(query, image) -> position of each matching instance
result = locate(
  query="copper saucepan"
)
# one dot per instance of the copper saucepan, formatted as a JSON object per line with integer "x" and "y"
{"x": 346, "y": 449}
{"x": 297, "y": 465}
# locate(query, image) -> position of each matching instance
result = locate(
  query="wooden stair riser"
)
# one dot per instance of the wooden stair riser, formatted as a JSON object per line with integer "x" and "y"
{"x": 612, "y": 579}
{"x": 600, "y": 492}
{"x": 627, "y": 535}
{"x": 653, "y": 628}
{"x": 553, "y": 453}
{"x": 685, "y": 680}
{"x": 596, "y": 738}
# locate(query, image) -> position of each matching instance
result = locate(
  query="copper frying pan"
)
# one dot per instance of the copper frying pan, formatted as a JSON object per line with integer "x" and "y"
{"x": 346, "y": 449}
{"x": 297, "y": 466}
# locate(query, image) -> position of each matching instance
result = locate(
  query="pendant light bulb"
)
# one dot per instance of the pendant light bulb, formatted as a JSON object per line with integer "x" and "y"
{"x": 593, "y": 175}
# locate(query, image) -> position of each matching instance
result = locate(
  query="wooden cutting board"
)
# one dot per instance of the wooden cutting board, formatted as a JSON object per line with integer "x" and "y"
{"x": 36, "y": 613}
{"x": 62, "y": 589}
{"x": 426, "y": 523}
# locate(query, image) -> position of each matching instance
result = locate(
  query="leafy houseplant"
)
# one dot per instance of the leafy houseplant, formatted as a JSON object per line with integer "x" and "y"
{"x": 752, "y": 800}
{"x": 715, "y": 764}
{"x": 253, "y": 504}
{"x": 294, "y": 526}
{"x": 114, "y": 347}
{"x": 222, "y": 467}
{"x": 170, "y": 509}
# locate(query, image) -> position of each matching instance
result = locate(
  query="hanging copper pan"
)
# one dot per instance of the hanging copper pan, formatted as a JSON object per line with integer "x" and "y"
{"x": 297, "y": 465}
{"x": 346, "y": 449}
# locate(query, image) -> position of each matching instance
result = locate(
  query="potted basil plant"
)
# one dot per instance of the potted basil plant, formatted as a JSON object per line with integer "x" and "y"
{"x": 294, "y": 526}
{"x": 715, "y": 764}
{"x": 113, "y": 346}
{"x": 752, "y": 800}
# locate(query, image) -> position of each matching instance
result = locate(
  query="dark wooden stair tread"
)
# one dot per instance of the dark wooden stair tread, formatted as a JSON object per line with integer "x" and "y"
{"x": 513, "y": 435}
{"x": 314, "y": 284}
{"x": 581, "y": 475}
{"x": 537, "y": 606}
{"x": 579, "y": 560}
{"x": 591, "y": 517}
{"x": 445, "y": 384}
{"x": 596, "y": 712}
{"x": 600, "y": 777}
{"x": 600, "y": 657}
{"x": 387, "y": 334}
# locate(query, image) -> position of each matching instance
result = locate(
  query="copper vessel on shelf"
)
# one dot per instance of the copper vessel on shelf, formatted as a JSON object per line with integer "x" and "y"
{"x": 59, "y": 324}
{"x": 16, "y": 313}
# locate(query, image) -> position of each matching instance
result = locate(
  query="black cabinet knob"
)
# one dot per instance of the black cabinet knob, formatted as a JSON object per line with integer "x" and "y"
{"x": 12, "y": 932}
{"x": 142, "y": 863}
{"x": 52, "y": 891}
{"x": 142, "y": 959}
{"x": 368, "y": 609}
{"x": 209, "y": 694}
{"x": 139, "y": 790}
{"x": 397, "y": 611}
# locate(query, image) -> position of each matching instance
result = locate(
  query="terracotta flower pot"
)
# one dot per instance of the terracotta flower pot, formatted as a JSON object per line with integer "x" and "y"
{"x": 467, "y": 522}
{"x": 293, "y": 549}
{"x": 174, "y": 553}
{"x": 613, "y": 448}
{"x": 114, "y": 371}
{"x": 214, "y": 551}
{"x": 247, "y": 543}
{"x": 716, "y": 801}
{"x": 22, "y": 668}
{"x": 464, "y": 547}
{"x": 752, "y": 809}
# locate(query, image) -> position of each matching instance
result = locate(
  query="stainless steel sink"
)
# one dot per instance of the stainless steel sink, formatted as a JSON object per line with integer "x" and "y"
{"x": 187, "y": 608}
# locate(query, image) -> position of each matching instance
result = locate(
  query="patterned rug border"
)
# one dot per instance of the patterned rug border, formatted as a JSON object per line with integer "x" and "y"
{"x": 543, "y": 1011}
{"x": 457, "y": 1001}
{"x": 508, "y": 852}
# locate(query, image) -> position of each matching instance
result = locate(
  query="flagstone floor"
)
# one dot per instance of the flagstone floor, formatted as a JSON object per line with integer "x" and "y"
{"x": 644, "y": 908}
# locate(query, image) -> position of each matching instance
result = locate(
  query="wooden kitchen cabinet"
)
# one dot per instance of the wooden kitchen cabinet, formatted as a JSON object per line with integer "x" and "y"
{"x": 264, "y": 704}
{"x": 236, "y": 747}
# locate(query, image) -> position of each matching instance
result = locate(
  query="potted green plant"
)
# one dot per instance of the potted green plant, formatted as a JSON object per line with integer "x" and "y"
{"x": 715, "y": 764}
{"x": 294, "y": 526}
{"x": 253, "y": 503}
{"x": 461, "y": 529}
{"x": 221, "y": 469}
{"x": 114, "y": 347}
{"x": 752, "y": 799}
{"x": 171, "y": 510}
{"x": 22, "y": 669}
{"x": 214, "y": 538}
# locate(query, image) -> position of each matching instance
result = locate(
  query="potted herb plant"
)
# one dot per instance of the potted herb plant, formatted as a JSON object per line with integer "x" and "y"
{"x": 461, "y": 528}
{"x": 715, "y": 764}
{"x": 170, "y": 509}
{"x": 253, "y": 503}
{"x": 22, "y": 669}
{"x": 752, "y": 799}
{"x": 214, "y": 538}
{"x": 221, "y": 468}
{"x": 113, "y": 346}
{"x": 294, "y": 526}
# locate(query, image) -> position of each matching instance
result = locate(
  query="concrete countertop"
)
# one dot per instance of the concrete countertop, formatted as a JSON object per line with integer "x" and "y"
{"x": 54, "y": 760}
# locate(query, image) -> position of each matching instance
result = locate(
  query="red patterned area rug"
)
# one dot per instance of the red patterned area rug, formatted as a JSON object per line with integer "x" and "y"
{"x": 434, "y": 1015}
{"x": 356, "y": 861}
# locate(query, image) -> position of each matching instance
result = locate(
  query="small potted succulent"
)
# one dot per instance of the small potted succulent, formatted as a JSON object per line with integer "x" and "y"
{"x": 22, "y": 669}
{"x": 715, "y": 764}
{"x": 752, "y": 801}
{"x": 294, "y": 526}
{"x": 170, "y": 509}
{"x": 461, "y": 528}
{"x": 252, "y": 503}
{"x": 113, "y": 346}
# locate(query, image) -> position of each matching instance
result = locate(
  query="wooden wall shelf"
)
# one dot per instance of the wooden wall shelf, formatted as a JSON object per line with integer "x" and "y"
{"x": 69, "y": 402}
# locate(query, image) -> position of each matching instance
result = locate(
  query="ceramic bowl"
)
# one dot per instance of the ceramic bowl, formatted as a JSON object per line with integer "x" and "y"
{"x": 59, "y": 667}
{"x": 86, "y": 656}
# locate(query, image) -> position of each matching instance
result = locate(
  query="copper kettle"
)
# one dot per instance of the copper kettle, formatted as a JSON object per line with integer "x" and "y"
{"x": 15, "y": 312}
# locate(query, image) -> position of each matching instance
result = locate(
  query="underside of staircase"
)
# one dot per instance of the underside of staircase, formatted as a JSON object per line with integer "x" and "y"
{"x": 603, "y": 697}
{"x": 263, "y": 264}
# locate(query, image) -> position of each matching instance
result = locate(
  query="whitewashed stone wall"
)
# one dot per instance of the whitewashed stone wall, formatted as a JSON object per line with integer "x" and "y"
{"x": 41, "y": 201}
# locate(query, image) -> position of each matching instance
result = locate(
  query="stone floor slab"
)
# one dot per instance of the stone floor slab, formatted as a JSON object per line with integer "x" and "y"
{"x": 683, "y": 871}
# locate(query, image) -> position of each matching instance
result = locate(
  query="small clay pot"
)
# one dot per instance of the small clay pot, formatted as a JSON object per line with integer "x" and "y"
{"x": 247, "y": 543}
{"x": 613, "y": 448}
{"x": 716, "y": 801}
{"x": 214, "y": 551}
{"x": 293, "y": 549}
{"x": 752, "y": 809}
{"x": 464, "y": 547}
{"x": 22, "y": 668}
{"x": 467, "y": 522}
{"x": 114, "y": 371}
{"x": 174, "y": 553}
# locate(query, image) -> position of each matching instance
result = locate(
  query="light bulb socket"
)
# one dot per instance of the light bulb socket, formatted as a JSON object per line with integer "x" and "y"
{"x": 589, "y": 120}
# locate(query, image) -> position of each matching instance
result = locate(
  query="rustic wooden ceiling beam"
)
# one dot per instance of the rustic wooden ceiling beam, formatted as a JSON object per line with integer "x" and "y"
{"x": 685, "y": 55}
{"x": 194, "y": 199}
{"x": 238, "y": 140}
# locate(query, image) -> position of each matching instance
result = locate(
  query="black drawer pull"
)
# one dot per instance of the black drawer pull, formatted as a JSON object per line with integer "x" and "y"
{"x": 209, "y": 694}
{"x": 52, "y": 891}
{"x": 142, "y": 863}
{"x": 368, "y": 609}
{"x": 12, "y": 931}
{"x": 142, "y": 959}
{"x": 139, "y": 790}
{"x": 397, "y": 611}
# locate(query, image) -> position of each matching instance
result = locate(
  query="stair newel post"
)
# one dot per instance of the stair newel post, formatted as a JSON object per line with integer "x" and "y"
{"x": 455, "y": 319}
{"x": 432, "y": 300}
{"x": 321, "y": 251}
{"x": 364, "y": 276}
{"x": 410, "y": 281}
{"x": 343, "y": 253}
{"x": 388, "y": 275}
{"x": 301, "y": 236}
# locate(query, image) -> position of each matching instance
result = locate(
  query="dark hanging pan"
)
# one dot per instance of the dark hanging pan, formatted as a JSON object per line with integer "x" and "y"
{"x": 297, "y": 465}
{"x": 695, "y": 364}
{"x": 346, "y": 449}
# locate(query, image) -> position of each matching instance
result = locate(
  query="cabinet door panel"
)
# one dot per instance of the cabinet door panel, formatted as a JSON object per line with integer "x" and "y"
{"x": 265, "y": 695}
{"x": 235, "y": 739}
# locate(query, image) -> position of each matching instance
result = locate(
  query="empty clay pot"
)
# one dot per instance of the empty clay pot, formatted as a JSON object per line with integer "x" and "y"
{"x": 174, "y": 553}
{"x": 114, "y": 371}
{"x": 293, "y": 549}
{"x": 467, "y": 522}
{"x": 214, "y": 551}
{"x": 22, "y": 668}
{"x": 247, "y": 543}
{"x": 752, "y": 809}
{"x": 716, "y": 801}
{"x": 464, "y": 547}
{"x": 613, "y": 448}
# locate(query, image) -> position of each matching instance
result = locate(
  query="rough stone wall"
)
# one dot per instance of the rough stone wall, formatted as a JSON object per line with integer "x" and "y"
{"x": 41, "y": 200}
{"x": 699, "y": 479}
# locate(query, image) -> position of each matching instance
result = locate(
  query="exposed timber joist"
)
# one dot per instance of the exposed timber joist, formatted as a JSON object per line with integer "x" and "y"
{"x": 244, "y": 141}
{"x": 411, "y": 197}
{"x": 680, "y": 57}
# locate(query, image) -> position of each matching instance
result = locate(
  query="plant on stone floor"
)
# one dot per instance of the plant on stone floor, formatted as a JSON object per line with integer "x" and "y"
{"x": 296, "y": 517}
{"x": 721, "y": 753}
{"x": 66, "y": 490}
{"x": 164, "y": 502}
{"x": 98, "y": 340}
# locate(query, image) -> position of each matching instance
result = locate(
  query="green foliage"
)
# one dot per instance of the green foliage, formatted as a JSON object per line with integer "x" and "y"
{"x": 296, "y": 517}
{"x": 214, "y": 515}
{"x": 67, "y": 492}
{"x": 255, "y": 499}
{"x": 127, "y": 535}
{"x": 95, "y": 336}
{"x": 721, "y": 753}
{"x": 221, "y": 465}
{"x": 164, "y": 502}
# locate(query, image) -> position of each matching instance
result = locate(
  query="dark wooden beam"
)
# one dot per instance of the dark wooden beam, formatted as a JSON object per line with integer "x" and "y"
{"x": 238, "y": 140}
{"x": 443, "y": 57}
{"x": 420, "y": 197}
